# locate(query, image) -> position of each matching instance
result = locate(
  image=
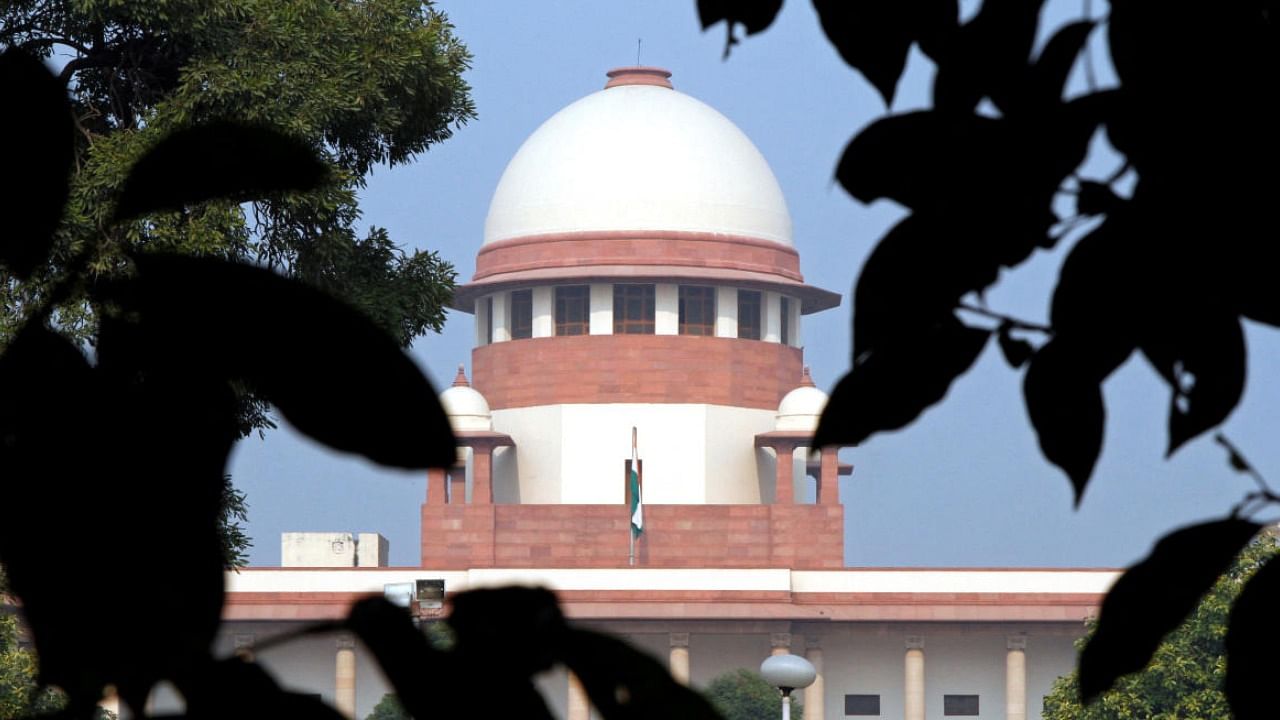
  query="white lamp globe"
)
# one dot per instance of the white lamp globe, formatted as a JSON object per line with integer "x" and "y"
{"x": 788, "y": 672}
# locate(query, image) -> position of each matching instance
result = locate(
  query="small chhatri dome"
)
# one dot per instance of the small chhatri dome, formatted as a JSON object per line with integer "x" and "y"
{"x": 465, "y": 407}
{"x": 801, "y": 408}
{"x": 638, "y": 156}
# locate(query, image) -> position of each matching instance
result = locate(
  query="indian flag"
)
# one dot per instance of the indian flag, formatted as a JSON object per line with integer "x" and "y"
{"x": 633, "y": 484}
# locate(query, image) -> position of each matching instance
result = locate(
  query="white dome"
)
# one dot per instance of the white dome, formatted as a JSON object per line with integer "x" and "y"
{"x": 800, "y": 409}
{"x": 466, "y": 408}
{"x": 638, "y": 156}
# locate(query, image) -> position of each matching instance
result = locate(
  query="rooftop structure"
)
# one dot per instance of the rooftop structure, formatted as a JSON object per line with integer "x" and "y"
{"x": 638, "y": 270}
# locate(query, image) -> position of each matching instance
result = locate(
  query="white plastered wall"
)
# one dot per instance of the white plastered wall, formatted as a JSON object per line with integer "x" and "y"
{"x": 501, "y": 323}
{"x": 530, "y": 474}
{"x": 726, "y": 312}
{"x": 482, "y": 321}
{"x": 731, "y": 467}
{"x": 575, "y": 453}
{"x": 772, "y": 331}
{"x": 601, "y": 309}
{"x": 863, "y": 658}
{"x": 543, "y": 312}
{"x": 666, "y": 308}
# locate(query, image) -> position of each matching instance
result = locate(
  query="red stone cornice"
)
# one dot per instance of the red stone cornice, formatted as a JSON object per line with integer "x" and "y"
{"x": 652, "y": 256}
{"x": 727, "y": 604}
{"x": 651, "y": 248}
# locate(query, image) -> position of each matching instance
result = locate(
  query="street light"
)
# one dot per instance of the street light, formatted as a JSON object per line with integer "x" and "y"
{"x": 787, "y": 672}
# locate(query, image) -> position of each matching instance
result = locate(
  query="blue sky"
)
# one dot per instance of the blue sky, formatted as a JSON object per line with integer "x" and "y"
{"x": 963, "y": 486}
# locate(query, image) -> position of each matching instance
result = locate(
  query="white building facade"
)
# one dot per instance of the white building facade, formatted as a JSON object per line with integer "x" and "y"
{"x": 638, "y": 271}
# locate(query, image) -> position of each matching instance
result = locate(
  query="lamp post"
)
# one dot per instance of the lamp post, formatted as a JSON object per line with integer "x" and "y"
{"x": 788, "y": 672}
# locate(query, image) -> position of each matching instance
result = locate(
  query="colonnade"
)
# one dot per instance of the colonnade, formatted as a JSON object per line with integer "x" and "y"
{"x": 781, "y": 643}
{"x": 1015, "y": 686}
{"x": 578, "y": 707}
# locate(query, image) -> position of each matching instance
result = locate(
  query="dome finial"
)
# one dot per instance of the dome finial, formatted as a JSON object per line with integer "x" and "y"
{"x": 460, "y": 380}
{"x": 805, "y": 380}
{"x": 638, "y": 75}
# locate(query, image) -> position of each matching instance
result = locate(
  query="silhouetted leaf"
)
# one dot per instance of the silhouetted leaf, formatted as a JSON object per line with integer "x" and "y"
{"x": 431, "y": 683}
{"x": 328, "y": 369}
{"x": 913, "y": 278}
{"x": 891, "y": 385}
{"x": 135, "y": 481}
{"x": 234, "y": 688}
{"x": 37, "y": 132}
{"x": 874, "y": 36}
{"x": 992, "y": 179}
{"x": 923, "y": 159}
{"x": 626, "y": 684}
{"x": 1095, "y": 198}
{"x": 527, "y": 622}
{"x": 1064, "y": 404}
{"x": 755, "y": 15}
{"x": 1155, "y": 596}
{"x": 420, "y": 675}
{"x": 1202, "y": 357}
{"x": 1016, "y": 352}
{"x": 1099, "y": 301}
{"x": 1252, "y": 637}
{"x": 219, "y": 160}
{"x": 987, "y": 57}
{"x": 1048, "y": 78}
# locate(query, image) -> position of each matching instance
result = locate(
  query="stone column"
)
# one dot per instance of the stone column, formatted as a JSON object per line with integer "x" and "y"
{"x": 679, "y": 663}
{"x": 913, "y": 700}
{"x": 814, "y": 708}
{"x": 829, "y": 476}
{"x": 784, "y": 489}
{"x": 457, "y": 478}
{"x": 344, "y": 680}
{"x": 482, "y": 474}
{"x": 1015, "y": 678}
{"x": 243, "y": 644}
{"x": 780, "y": 643}
{"x": 437, "y": 478}
{"x": 577, "y": 707}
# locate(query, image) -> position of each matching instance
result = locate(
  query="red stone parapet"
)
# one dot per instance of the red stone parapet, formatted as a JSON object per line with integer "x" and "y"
{"x": 675, "y": 536}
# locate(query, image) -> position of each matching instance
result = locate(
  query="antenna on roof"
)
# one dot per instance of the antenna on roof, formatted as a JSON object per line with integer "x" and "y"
{"x": 637, "y": 52}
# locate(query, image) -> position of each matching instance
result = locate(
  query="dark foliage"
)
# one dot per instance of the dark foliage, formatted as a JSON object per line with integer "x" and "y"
{"x": 236, "y": 162}
{"x": 1168, "y": 270}
{"x": 150, "y": 425}
{"x": 34, "y": 187}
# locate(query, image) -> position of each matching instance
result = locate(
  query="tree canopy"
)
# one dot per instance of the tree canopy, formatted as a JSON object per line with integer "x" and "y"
{"x": 744, "y": 695}
{"x": 388, "y": 708}
{"x": 1186, "y": 674}
{"x": 359, "y": 83}
{"x": 363, "y": 83}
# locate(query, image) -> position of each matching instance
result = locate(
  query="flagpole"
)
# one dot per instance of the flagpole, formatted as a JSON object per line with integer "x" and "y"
{"x": 631, "y": 532}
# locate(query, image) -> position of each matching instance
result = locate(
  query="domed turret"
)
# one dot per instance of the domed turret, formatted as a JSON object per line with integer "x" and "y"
{"x": 801, "y": 408}
{"x": 465, "y": 407}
